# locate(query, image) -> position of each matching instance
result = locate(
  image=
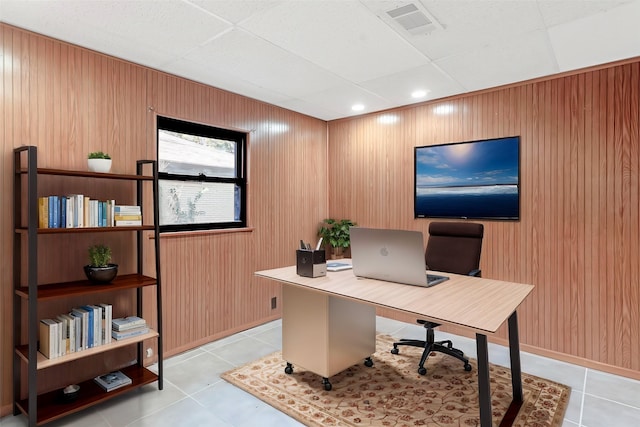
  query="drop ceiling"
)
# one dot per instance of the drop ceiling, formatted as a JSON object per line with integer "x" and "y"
{"x": 321, "y": 57}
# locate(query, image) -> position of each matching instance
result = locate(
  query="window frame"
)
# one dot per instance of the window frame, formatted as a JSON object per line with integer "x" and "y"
{"x": 240, "y": 182}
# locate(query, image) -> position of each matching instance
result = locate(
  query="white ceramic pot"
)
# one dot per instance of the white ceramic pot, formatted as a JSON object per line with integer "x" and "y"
{"x": 99, "y": 165}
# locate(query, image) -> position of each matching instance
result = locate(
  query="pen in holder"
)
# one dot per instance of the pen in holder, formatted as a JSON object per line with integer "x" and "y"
{"x": 310, "y": 263}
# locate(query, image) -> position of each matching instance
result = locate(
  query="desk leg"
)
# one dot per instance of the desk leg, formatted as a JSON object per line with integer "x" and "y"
{"x": 516, "y": 373}
{"x": 514, "y": 350}
{"x": 484, "y": 386}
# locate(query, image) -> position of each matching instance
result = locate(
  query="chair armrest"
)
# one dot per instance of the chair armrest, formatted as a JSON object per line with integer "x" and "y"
{"x": 475, "y": 272}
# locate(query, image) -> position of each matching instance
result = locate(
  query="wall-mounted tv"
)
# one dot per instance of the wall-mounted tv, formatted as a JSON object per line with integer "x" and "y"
{"x": 474, "y": 180}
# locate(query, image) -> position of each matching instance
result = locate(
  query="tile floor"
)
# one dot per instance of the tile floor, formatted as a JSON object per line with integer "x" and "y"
{"x": 194, "y": 394}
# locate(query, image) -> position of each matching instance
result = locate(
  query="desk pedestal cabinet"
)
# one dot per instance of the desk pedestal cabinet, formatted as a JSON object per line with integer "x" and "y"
{"x": 325, "y": 334}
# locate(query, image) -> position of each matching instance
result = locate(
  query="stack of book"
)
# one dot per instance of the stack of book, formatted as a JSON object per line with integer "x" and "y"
{"x": 128, "y": 327}
{"x": 78, "y": 210}
{"x": 112, "y": 380}
{"x": 127, "y": 215}
{"x": 82, "y": 328}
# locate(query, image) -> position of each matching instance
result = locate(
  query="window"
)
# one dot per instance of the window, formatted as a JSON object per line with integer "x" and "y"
{"x": 201, "y": 176}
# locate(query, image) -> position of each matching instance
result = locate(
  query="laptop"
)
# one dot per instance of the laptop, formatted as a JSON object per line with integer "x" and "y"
{"x": 391, "y": 255}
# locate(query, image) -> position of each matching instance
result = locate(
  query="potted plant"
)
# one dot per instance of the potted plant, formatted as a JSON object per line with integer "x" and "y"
{"x": 99, "y": 162}
{"x": 335, "y": 234}
{"x": 99, "y": 269}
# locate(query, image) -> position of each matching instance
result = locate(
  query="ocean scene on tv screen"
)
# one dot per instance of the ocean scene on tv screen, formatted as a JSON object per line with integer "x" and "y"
{"x": 477, "y": 179}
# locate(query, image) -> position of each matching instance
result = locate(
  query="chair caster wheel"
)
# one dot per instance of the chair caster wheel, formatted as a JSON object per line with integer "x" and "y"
{"x": 467, "y": 367}
{"x": 395, "y": 350}
{"x": 327, "y": 384}
{"x": 368, "y": 362}
{"x": 422, "y": 371}
{"x": 288, "y": 369}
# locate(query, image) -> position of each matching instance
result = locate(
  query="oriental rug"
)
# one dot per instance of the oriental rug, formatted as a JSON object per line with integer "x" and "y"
{"x": 392, "y": 393}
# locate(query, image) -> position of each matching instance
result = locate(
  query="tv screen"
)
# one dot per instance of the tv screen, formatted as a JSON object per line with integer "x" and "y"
{"x": 474, "y": 180}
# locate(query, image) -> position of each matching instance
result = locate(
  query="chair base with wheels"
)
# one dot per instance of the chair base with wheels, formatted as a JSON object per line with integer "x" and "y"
{"x": 453, "y": 247}
{"x": 431, "y": 345}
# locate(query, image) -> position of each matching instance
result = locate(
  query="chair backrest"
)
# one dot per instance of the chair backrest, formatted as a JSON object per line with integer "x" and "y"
{"x": 454, "y": 247}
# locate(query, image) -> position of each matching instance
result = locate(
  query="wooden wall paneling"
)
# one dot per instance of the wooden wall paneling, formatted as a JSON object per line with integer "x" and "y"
{"x": 8, "y": 67}
{"x": 618, "y": 215}
{"x": 69, "y": 101}
{"x": 590, "y": 268}
{"x": 577, "y": 239}
{"x": 283, "y": 146}
{"x": 634, "y": 139}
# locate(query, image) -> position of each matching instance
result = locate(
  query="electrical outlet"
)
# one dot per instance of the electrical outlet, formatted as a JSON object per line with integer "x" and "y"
{"x": 149, "y": 352}
{"x": 274, "y": 303}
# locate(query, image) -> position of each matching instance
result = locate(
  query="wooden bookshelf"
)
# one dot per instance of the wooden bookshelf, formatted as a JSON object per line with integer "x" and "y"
{"x": 30, "y": 293}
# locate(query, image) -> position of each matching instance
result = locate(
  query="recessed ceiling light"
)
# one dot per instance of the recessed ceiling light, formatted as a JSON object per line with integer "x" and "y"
{"x": 419, "y": 93}
{"x": 358, "y": 107}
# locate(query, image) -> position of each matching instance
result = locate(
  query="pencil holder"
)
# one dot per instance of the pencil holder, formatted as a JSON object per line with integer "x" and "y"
{"x": 311, "y": 263}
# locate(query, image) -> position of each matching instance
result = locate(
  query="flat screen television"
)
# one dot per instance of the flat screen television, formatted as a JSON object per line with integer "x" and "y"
{"x": 469, "y": 180}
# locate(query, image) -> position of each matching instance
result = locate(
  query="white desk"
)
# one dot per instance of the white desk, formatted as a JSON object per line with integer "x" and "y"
{"x": 328, "y": 323}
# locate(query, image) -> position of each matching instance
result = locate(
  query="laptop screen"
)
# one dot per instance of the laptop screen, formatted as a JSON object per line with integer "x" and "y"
{"x": 390, "y": 255}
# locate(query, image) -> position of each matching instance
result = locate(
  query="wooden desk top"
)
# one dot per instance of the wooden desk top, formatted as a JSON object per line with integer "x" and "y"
{"x": 477, "y": 303}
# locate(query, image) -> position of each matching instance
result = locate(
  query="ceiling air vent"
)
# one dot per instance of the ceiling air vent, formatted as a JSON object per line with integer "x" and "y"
{"x": 413, "y": 19}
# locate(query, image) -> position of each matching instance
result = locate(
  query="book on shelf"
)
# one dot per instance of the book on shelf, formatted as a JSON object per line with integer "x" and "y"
{"x": 97, "y": 324}
{"x": 128, "y": 322}
{"x": 90, "y": 326}
{"x": 54, "y": 211}
{"x": 129, "y": 333}
{"x": 63, "y": 212}
{"x": 127, "y": 210}
{"x": 77, "y": 320}
{"x": 128, "y": 223}
{"x": 107, "y": 314}
{"x": 112, "y": 380}
{"x": 84, "y": 320}
{"x": 132, "y": 217}
{"x": 68, "y": 333}
{"x": 49, "y": 338}
{"x": 70, "y": 211}
{"x": 43, "y": 212}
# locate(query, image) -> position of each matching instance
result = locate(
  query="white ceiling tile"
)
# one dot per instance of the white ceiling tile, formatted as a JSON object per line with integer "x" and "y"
{"x": 221, "y": 79}
{"x": 398, "y": 87}
{"x": 175, "y": 27}
{"x": 311, "y": 109}
{"x": 264, "y": 64}
{"x": 341, "y": 36}
{"x": 342, "y": 98}
{"x": 556, "y": 12}
{"x": 472, "y": 24}
{"x": 235, "y": 11}
{"x": 517, "y": 59}
{"x": 598, "y": 39}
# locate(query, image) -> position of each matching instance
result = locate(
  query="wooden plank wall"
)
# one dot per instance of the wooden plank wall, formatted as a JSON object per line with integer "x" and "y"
{"x": 577, "y": 240}
{"x": 69, "y": 101}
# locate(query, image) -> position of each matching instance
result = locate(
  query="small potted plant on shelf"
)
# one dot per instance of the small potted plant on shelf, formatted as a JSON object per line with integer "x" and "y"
{"x": 335, "y": 234}
{"x": 99, "y": 162}
{"x": 100, "y": 270}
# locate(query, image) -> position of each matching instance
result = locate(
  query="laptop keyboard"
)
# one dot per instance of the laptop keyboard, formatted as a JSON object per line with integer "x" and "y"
{"x": 433, "y": 279}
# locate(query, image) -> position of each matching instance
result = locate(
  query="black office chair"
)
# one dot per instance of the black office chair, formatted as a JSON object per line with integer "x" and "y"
{"x": 453, "y": 247}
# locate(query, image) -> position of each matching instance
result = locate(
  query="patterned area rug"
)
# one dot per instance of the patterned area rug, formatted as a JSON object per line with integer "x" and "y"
{"x": 392, "y": 393}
